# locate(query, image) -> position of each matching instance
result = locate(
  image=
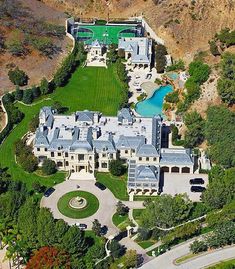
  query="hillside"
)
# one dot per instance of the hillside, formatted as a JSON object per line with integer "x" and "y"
{"x": 185, "y": 25}
{"x": 32, "y": 38}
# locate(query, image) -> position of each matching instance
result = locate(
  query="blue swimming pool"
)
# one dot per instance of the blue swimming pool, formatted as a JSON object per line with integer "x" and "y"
{"x": 153, "y": 105}
{"x": 173, "y": 75}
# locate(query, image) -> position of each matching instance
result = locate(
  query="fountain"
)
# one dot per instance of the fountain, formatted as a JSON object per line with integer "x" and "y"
{"x": 78, "y": 202}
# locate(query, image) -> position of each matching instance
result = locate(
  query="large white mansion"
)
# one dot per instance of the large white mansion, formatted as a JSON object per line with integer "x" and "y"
{"x": 87, "y": 141}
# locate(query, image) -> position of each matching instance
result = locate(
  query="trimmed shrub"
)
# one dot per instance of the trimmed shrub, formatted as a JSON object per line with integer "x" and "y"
{"x": 48, "y": 167}
{"x": 116, "y": 167}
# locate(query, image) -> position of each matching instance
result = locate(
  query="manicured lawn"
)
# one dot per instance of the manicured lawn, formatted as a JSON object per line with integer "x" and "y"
{"x": 117, "y": 185}
{"x": 146, "y": 244}
{"x": 7, "y": 155}
{"x": 92, "y": 88}
{"x": 121, "y": 221}
{"x": 136, "y": 214}
{"x": 117, "y": 219}
{"x": 144, "y": 197}
{"x": 92, "y": 238}
{"x": 90, "y": 209}
{"x": 89, "y": 88}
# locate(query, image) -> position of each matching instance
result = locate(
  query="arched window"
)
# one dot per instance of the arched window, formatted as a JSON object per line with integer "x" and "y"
{"x": 165, "y": 169}
{"x": 185, "y": 170}
{"x": 175, "y": 169}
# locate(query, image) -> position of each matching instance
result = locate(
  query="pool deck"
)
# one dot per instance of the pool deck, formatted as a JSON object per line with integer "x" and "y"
{"x": 150, "y": 87}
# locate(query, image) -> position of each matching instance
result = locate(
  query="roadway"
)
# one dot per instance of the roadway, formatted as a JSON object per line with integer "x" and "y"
{"x": 167, "y": 259}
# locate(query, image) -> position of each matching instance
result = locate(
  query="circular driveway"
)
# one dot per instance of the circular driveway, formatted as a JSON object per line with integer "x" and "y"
{"x": 107, "y": 203}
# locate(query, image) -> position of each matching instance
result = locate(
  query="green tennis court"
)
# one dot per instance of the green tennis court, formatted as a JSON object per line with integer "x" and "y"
{"x": 106, "y": 34}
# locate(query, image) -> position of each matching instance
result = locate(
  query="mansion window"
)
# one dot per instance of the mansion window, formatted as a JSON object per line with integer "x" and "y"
{"x": 52, "y": 154}
{"x": 90, "y": 158}
{"x": 147, "y": 158}
{"x": 72, "y": 157}
{"x": 126, "y": 151}
{"x": 103, "y": 155}
{"x": 154, "y": 159}
{"x": 80, "y": 157}
{"x": 67, "y": 163}
{"x": 104, "y": 165}
{"x": 45, "y": 149}
{"x": 59, "y": 154}
{"x": 140, "y": 158}
{"x": 38, "y": 149}
{"x": 111, "y": 156}
{"x": 59, "y": 164}
{"x": 133, "y": 150}
{"x": 66, "y": 154}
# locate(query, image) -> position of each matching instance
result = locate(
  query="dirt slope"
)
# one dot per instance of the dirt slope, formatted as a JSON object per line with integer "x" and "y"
{"x": 34, "y": 63}
{"x": 185, "y": 25}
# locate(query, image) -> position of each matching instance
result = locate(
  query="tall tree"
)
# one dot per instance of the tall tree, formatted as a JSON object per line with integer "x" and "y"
{"x": 166, "y": 211}
{"x": 226, "y": 84}
{"x": 131, "y": 259}
{"x": 96, "y": 227}
{"x": 49, "y": 257}
{"x": 61, "y": 227}
{"x": 18, "y": 77}
{"x": 27, "y": 222}
{"x": 74, "y": 242}
{"x": 44, "y": 86}
{"x": 219, "y": 132}
{"x": 46, "y": 228}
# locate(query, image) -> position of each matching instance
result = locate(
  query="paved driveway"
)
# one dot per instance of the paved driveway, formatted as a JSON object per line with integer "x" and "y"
{"x": 179, "y": 183}
{"x": 107, "y": 203}
{"x": 166, "y": 260}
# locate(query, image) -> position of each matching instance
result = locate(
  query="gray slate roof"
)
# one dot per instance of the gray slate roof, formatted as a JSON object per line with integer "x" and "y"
{"x": 125, "y": 113}
{"x": 157, "y": 132}
{"x": 139, "y": 48}
{"x": 147, "y": 150}
{"x": 147, "y": 173}
{"x": 85, "y": 116}
{"x": 103, "y": 144}
{"x": 41, "y": 137}
{"x": 96, "y": 44}
{"x": 176, "y": 157}
{"x": 130, "y": 142}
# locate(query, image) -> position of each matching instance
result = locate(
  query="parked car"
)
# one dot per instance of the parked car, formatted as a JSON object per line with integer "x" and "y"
{"x": 100, "y": 186}
{"x": 197, "y": 189}
{"x": 197, "y": 180}
{"x": 48, "y": 192}
{"x": 82, "y": 226}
